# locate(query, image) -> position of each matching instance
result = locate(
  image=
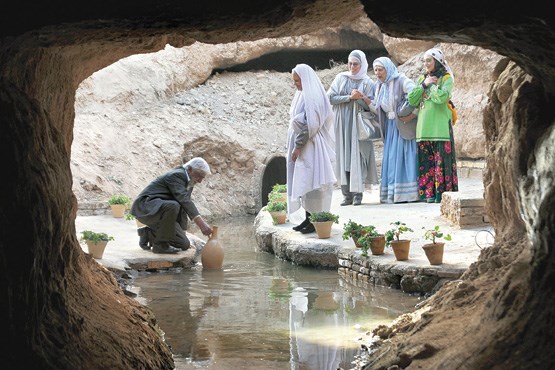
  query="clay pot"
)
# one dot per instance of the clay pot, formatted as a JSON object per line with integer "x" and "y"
{"x": 96, "y": 249}
{"x": 212, "y": 256}
{"x": 323, "y": 229}
{"x": 279, "y": 217}
{"x": 401, "y": 249}
{"x": 434, "y": 252}
{"x": 118, "y": 210}
{"x": 377, "y": 245}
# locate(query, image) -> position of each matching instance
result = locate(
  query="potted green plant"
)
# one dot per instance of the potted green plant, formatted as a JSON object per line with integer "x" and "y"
{"x": 278, "y": 211}
{"x": 278, "y": 193}
{"x": 323, "y": 222}
{"x": 352, "y": 230}
{"x": 434, "y": 250}
{"x": 130, "y": 217}
{"x": 96, "y": 242}
{"x": 118, "y": 203}
{"x": 400, "y": 247}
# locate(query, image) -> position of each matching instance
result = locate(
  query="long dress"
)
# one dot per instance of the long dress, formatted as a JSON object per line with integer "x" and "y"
{"x": 399, "y": 164}
{"x": 434, "y": 135}
{"x": 356, "y": 160}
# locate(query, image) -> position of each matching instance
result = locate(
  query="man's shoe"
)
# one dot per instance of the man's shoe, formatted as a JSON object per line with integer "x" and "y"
{"x": 309, "y": 229}
{"x": 357, "y": 202}
{"x": 164, "y": 249}
{"x": 143, "y": 238}
{"x": 346, "y": 202}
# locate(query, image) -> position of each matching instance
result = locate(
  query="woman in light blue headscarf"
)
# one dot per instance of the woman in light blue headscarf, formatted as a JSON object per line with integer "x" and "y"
{"x": 356, "y": 161}
{"x": 399, "y": 164}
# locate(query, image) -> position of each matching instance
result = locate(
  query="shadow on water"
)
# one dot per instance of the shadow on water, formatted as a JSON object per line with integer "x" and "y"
{"x": 260, "y": 312}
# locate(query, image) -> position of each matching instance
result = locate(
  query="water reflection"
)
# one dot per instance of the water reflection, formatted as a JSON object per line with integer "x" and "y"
{"x": 263, "y": 313}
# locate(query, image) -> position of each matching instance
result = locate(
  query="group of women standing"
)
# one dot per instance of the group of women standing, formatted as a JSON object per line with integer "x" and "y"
{"x": 324, "y": 149}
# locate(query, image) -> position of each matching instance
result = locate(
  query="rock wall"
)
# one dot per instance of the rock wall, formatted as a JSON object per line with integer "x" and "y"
{"x": 56, "y": 301}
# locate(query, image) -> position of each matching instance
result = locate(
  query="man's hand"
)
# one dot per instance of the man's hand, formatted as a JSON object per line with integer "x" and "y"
{"x": 203, "y": 226}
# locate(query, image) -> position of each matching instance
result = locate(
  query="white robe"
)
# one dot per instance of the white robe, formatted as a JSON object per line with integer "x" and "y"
{"x": 311, "y": 178}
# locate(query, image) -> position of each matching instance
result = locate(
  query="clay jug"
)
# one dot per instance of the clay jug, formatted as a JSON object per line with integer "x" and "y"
{"x": 212, "y": 256}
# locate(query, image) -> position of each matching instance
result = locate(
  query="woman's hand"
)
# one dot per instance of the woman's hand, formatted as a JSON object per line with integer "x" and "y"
{"x": 408, "y": 118}
{"x": 356, "y": 94}
{"x": 430, "y": 80}
{"x": 295, "y": 154}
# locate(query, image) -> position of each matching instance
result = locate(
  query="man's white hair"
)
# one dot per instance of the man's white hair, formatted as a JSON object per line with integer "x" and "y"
{"x": 198, "y": 164}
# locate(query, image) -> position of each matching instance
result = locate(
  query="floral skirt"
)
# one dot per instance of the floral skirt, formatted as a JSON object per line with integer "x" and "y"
{"x": 437, "y": 168}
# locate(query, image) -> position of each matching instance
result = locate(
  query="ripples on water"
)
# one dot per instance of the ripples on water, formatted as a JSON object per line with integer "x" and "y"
{"x": 260, "y": 312}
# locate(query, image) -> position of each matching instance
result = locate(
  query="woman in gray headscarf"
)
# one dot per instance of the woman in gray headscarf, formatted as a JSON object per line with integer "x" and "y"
{"x": 356, "y": 161}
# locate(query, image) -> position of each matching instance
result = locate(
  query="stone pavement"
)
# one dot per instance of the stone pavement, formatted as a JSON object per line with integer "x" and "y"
{"x": 334, "y": 252}
{"x": 124, "y": 252}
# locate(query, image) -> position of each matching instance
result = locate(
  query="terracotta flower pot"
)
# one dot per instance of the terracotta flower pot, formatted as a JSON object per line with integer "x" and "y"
{"x": 118, "y": 210}
{"x": 279, "y": 217}
{"x": 401, "y": 249}
{"x": 377, "y": 245}
{"x": 96, "y": 249}
{"x": 323, "y": 229}
{"x": 434, "y": 252}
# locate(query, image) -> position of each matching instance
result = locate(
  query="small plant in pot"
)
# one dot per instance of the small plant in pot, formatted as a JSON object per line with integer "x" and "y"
{"x": 400, "y": 247}
{"x": 278, "y": 193}
{"x": 323, "y": 222}
{"x": 434, "y": 250}
{"x": 352, "y": 230}
{"x": 96, "y": 242}
{"x": 278, "y": 211}
{"x": 119, "y": 203}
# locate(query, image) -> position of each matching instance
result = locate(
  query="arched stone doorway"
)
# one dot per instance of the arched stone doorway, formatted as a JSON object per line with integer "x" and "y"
{"x": 273, "y": 173}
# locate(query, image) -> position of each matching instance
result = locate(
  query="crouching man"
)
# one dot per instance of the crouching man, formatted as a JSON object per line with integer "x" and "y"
{"x": 165, "y": 205}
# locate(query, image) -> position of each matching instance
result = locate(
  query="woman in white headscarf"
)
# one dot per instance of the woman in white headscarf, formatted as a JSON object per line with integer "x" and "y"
{"x": 437, "y": 164}
{"x": 398, "y": 178}
{"x": 356, "y": 160}
{"x": 310, "y": 148}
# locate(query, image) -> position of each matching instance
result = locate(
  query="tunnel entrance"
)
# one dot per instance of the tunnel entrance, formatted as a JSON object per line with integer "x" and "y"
{"x": 285, "y": 60}
{"x": 274, "y": 173}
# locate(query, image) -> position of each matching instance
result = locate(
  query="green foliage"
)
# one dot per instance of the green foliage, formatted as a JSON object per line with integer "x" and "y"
{"x": 355, "y": 230}
{"x": 364, "y": 244}
{"x": 279, "y": 188}
{"x": 119, "y": 199}
{"x": 95, "y": 237}
{"x": 275, "y": 206}
{"x": 324, "y": 216}
{"x": 432, "y": 234}
{"x": 394, "y": 233}
{"x": 129, "y": 216}
{"x": 351, "y": 229}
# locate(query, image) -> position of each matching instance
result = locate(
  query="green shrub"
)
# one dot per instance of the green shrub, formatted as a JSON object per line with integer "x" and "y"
{"x": 276, "y": 206}
{"x": 398, "y": 229}
{"x": 95, "y": 237}
{"x": 119, "y": 199}
{"x": 324, "y": 216}
{"x": 279, "y": 188}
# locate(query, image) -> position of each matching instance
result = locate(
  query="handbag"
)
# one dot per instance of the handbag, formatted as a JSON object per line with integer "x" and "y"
{"x": 368, "y": 127}
{"x": 407, "y": 130}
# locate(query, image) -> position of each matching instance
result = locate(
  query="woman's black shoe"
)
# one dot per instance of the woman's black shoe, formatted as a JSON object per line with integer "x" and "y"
{"x": 309, "y": 229}
{"x": 302, "y": 225}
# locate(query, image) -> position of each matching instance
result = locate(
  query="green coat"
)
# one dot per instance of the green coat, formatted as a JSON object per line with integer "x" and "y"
{"x": 434, "y": 114}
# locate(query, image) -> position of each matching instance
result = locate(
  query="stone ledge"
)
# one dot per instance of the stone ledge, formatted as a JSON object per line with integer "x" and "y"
{"x": 464, "y": 209}
{"x": 415, "y": 275}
